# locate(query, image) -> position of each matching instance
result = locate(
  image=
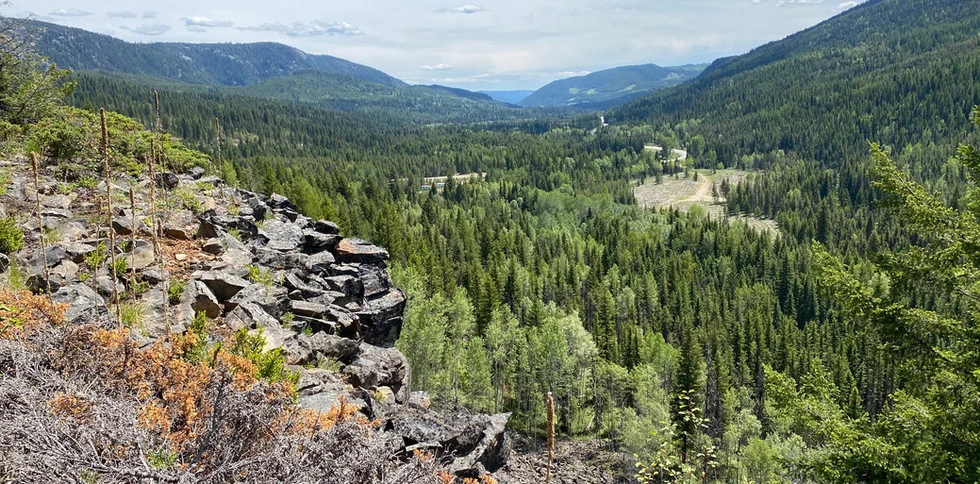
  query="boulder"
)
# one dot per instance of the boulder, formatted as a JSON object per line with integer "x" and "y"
{"x": 320, "y": 263}
{"x": 214, "y": 246}
{"x": 62, "y": 202}
{"x": 302, "y": 349}
{"x": 468, "y": 445}
{"x": 250, "y": 315}
{"x": 380, "y": 319}
{"x": 308, "y": 309}
{"x": 125, "y": 225}
{"x": 257, "y": 208}
{"x": 376, "y": 367}
{"x": 77, "y": 251}
{"x": 357, "y": 250}
{"x": 167, "y": 181}
{"x": 140, "y": 258}
{"x": 196, "y": 172}
{"x": 266, "y": 298}
{"x": 85, "y": 306}
{"x": 326, "y": 227}
{"x": 281, "y": 236}
{"x": 224, "y": 285}
{"x": 279, "y": 202}
{"x": 317, "y": 242}
{"x": 201, "y": 299}
{"x": 181, "y": 227}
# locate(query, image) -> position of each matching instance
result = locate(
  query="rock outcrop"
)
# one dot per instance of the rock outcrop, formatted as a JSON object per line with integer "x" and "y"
{"x": 254, "y": 262}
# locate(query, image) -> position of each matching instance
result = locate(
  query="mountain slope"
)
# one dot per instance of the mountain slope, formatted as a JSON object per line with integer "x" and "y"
{"x": 610, "y": 86}
{"x": 214, "y": 64}
{"x": 893, "y": 71}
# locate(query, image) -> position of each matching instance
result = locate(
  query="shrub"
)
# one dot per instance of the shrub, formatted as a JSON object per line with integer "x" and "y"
{"x": 175, "y": 289}
{"x": 132, "y": 314}
{"x": 95, "y": 258}
{"x": 11, "y": 236}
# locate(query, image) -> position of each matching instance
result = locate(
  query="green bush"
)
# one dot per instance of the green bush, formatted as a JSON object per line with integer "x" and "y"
{"x": 175, "y": 290}
{"x": 11, "y": 236}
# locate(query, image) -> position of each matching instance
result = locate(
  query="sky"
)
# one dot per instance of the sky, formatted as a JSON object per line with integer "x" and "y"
{"x": 484, "y": 45}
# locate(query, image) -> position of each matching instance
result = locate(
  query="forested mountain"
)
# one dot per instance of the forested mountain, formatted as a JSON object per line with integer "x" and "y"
{"x": 894, "y": 71}
{"x": 327, "y": 91}
{"x": 214, "y": 64}
{"x": 610, "y": 87}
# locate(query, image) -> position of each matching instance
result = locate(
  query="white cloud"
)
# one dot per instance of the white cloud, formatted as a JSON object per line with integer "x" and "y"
{"x": 149, "y": 15}
{"x": 125, "y": 14}
{"x": 566, "y": 74}
{"x": 437, "y": 67}
{"x": 69, "y": 12}
{"x": 153, "y": 29}
{"x": 464, "y": 9}
{"x": 312, "y": 29}
{"x": 847, "y": 5}
{"x": 798, "y": 2}
{"x": 203, "y": 24}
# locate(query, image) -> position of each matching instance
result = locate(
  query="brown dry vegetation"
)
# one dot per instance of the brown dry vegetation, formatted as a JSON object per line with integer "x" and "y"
{"x": 86, "y": 404}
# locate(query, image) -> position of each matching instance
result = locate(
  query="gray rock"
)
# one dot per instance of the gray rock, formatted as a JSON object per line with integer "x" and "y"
{"x": 279, "y": 202}
{"x": 167, "y": 181}
{"x": 278, "y": 260}
{"x": 320, "y": 263}
{"x": 357, "y": 250}
{"x": 317, "y": 242}
{"x": 308, "y": 309}
{"x": 381, "y": 318}
{"x": 200, "y": 299}
{"x": 85, "y": 306}
{"x": 105, "y": 284}
{"x": 266, "y": 298}
{"x": 250, "y": 315}
{"x": 140, "y": 258}
{"x": 224, "y": 286}
{"x": 302, "y": 349}
{"x": 326, "y": 227}
{"x": 154, "y": 275}
{"x": 58, "y": 213}
{"x": 67, "y": 269}
{"x": 56, "y": 201}
{"x": 125, "y": 225}
{"x": 214, "y": 246}
{"x": 77, "y": 251}
{"x": 258, "y": 207}
{"x": 349, "y": 285}
{"x": 281, "y": 236}
{"x": 374, "y": 280}
{"x": 182, "y": 227}
{"x": 196, "y": 172}
{"x": 375, "y": 367}
{"x": 468, "y": 444}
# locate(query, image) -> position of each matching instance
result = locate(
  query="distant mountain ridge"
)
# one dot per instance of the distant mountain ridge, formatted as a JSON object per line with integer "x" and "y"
{"x": 212, "y": 64}
{"x": 825, "y": 91}
{"x": 611, "y": 86}
{"x": 511, "y": 97}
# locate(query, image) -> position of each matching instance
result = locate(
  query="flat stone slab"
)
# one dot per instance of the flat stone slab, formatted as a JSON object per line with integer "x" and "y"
{"x": 357, "y": 250}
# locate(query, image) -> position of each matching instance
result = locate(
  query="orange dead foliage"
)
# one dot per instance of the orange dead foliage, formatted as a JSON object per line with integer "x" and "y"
{"x": 21, "y": 313}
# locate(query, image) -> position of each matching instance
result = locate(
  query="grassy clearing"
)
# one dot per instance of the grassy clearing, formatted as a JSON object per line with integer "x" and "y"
{"x": 682, "y": 193}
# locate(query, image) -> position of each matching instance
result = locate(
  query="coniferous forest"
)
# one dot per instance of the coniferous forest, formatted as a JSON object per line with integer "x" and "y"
{"x": 842, "y": 347}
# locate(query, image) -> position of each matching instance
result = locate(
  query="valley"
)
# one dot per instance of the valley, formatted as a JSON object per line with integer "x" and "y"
{"x": 786, "y": 295}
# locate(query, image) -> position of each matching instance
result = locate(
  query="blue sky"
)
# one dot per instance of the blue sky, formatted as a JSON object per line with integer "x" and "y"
{"x": 473, "y": 44}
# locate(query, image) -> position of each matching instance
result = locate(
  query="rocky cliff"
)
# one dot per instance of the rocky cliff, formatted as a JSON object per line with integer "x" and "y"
{"x": 244, "y": 260}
